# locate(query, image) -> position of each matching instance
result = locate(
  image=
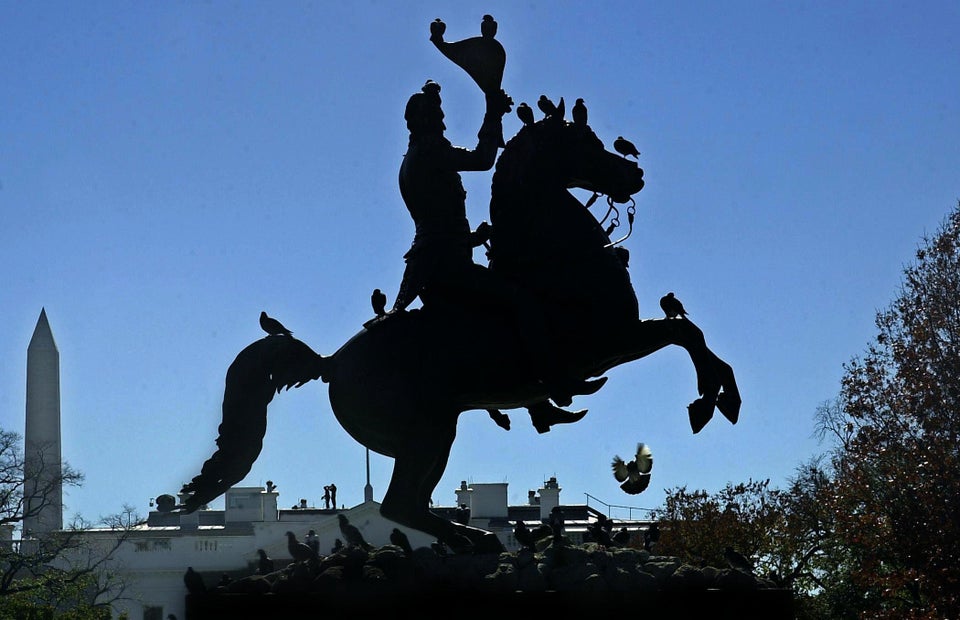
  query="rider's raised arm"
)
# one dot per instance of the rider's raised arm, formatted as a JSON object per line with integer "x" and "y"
{"x": 488, "y": 143}
{"x": 489, "y": 138}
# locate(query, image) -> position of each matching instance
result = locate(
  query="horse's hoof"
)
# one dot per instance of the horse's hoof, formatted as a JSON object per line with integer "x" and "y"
{"x": 700, "y": 412}
{"x": 729, "y": 407}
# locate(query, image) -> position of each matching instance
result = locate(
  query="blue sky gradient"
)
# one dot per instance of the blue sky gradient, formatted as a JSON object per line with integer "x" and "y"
{"x": 168, "y": 170}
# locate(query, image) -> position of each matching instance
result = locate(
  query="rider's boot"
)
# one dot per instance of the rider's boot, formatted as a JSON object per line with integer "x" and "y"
{"x": 545, "y": 414}
{"x": 562, "y": 392}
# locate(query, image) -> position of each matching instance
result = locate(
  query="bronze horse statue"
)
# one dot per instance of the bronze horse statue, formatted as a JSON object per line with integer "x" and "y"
{"x": 400, "y": 384}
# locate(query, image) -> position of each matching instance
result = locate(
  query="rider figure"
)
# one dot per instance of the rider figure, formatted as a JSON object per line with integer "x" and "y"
{"x": 440, "y": 259}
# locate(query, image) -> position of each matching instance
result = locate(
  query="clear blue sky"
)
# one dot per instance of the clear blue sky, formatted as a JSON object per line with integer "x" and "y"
{"x": 168, "y": 170}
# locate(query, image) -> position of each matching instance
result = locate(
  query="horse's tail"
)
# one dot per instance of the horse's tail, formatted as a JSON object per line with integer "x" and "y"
{"x": 261, "y": 370}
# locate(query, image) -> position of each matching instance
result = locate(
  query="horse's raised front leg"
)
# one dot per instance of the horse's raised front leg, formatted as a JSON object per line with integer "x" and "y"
{"x": 417, "y": 469}
{"x": 716, "y": 383}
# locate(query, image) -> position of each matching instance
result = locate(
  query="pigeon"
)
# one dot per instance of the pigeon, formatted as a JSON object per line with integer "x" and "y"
{"x": 379, "y": 302}
{"x": 541, "y": 531}
{"x": 337, "y": 546}
{"x": 524, "y": 536}
{"x": 439, "y": 548}
{"x": 265, "y": 565}
{"x": 299, "y": 551}
{"x": 737, "y": 561}
{"x": 651, "y": 536}
{"x": 194, "y": 581}
{"x": 313, "y": 541}
{"x": 525, "y": 113}
{"x": 625, "y": 147}
{"x": 546, "y": 106}
{"x": 671, "y": 306}
{"x": 488, "y": 27}
{"x": 437, "y": 28}
{"x": 635, "y": 475}
{"x": 579, "y": 113}
{"x": 621, "y": 538}
{"x": 272, "y": 326}
{"x": 400, "y": 539}
{"x": 225, "y": 581}
{"x": 600, "y": 535}
{"x": 352, "y": 533}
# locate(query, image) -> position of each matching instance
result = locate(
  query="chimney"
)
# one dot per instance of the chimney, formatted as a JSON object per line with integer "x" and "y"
{"x": 268, "y": 503}
{"x": 42, "y": 488}
{"x": 463, "y": 494}
{"x": 549, "y": 497}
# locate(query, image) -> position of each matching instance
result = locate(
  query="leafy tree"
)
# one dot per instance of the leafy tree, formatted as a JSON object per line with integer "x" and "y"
{"x": 896, "y": 466}
{"x": 697, "y": 526}
{"x": 66, "y": 573}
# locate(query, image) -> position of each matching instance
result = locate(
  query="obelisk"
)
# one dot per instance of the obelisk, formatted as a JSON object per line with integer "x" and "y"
{"x": 43, "y": 491}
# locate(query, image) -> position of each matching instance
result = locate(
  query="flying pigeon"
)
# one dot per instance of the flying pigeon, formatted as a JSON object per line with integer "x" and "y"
{"x": 737, "y": 561}
{"x": 524, "y": 536}
{"x": 379, "y": 302}
{"x": 635, "y": 475}
{"x": 351, "y": 533}
{"x": 671, "y": 306}
{"x": 400, "y": 539}
{"x": 579, "y": 112}
{"x": 194, "y": 581}
{"x": 272, "y": 326}
{"x": 525, "y": 114}
{"x": 546, "y": 106}
{"x": 264, "y": 564}
{"x": 625, "y": 147}
{"x": 299, "y": 551}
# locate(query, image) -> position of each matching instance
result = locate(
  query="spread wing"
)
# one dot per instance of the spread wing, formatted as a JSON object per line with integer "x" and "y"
{"x": 620, "y": 471}
{"x": 261, "y": 370}
{"x": 644, "y": 458}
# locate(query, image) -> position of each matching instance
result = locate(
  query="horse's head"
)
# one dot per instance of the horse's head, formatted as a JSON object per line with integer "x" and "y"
{"x": 552, "y": 152}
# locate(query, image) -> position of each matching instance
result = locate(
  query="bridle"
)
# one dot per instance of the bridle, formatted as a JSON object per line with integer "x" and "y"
{"x": 615, "y": 220}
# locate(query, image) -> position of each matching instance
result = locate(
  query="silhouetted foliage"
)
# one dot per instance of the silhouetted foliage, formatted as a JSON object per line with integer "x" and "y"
{"x": 66, "y": 573}
{"x": 696, "y": 526}
{"x": 896, "y": 490}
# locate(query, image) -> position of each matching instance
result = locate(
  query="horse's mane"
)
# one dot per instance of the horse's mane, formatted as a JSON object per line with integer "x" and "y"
{"x": 521, "y": 148}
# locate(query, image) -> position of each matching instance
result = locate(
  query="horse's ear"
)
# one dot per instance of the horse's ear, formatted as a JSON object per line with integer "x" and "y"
{"x": 561, "y": 108}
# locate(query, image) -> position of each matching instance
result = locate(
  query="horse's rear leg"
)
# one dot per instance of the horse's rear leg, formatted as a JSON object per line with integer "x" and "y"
{"x": 417, "y": 470}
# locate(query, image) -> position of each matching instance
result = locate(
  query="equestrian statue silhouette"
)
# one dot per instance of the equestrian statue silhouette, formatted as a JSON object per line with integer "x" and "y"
{"x": 399, "y": 385}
